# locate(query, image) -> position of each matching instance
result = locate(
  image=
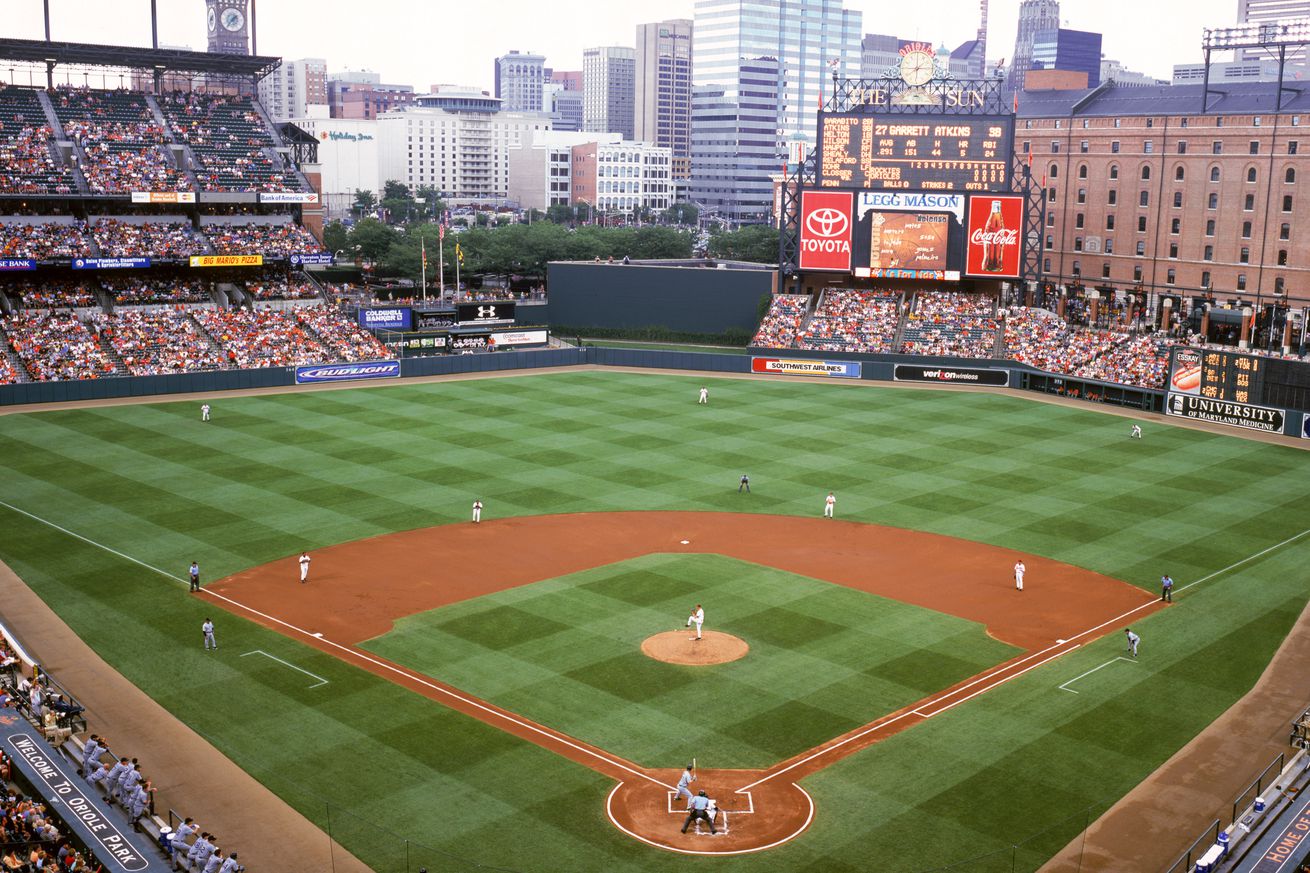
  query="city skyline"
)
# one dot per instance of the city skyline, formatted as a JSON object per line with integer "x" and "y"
{"x": 1159, "y": 37}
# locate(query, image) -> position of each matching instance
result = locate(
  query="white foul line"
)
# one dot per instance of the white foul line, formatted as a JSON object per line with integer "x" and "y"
{"x": 998, "y": 684}
{"x": 1244, "y": 560}
{"x": 1093, "y": 670}
{"x": 321, "y": 680}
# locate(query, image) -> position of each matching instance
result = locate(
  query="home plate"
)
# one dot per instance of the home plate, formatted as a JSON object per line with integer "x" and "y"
{"x": 685, "y": 542}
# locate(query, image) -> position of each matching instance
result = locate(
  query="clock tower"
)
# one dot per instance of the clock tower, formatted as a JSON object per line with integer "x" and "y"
{"x": 227, "y": 23}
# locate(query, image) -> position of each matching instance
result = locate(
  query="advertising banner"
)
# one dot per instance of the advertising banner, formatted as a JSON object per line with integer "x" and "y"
{"x": 481, "y": 313}
{"x": 347, "y": 372}
{"x": 1246, "y": 415}
{"x": 898, "y": 273}
{"x": 826, "y": 230}
{"x": 227, "y": 260}
{"x": 163, "y": 197}
{"x": 952, "y": 375}
{"x": 912, "y": 201}
{"x": 993, "y": 236}
{"x": 287, "y": 197}
{"x": 433, "y": 320}
{"x": 385, "y": 319}
{"x": 469, "y": 342}
{"x": 311, "y": 258}
{"x": 422, "y": 344}
{"x": 520, "y": 338}
{"x": 17, "y": 264}
{"x": 794, "y": 367}
{"x": 1185, "y": 374}
{"x": 110, "y": 263}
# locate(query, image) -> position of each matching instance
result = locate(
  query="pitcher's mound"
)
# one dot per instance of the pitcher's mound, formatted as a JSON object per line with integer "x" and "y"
{"x": 678, "y": 647}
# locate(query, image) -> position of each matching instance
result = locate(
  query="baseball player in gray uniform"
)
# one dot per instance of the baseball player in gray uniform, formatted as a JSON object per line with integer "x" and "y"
{"x": 180, "y": 836}
{"x": 684, "y": 789}
{"x": 207, "y": 849}
{"x": 208, "y": 629}
{"x": 115, "y": 773}
{"x": 214, "y": 861}
{"x": 101, "y": 775}
{"x": 231, "y": 865}
{"x": 90, "y": 754}
{"x": 128, "y": 782}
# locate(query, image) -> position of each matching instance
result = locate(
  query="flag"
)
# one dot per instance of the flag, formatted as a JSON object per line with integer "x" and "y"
{"x": 423, "y": 249}
{"x": 1030, "y": 158}
{"x": 1016, "y": 102}
{"x": 441, "y": 231}
{"x": 459, "y": 253}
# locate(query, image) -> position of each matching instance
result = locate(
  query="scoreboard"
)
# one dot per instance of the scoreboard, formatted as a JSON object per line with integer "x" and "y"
{"x": 921, "y": 152}
{"x": 1231, "y": 387}
{"x": 1218, "y": 374}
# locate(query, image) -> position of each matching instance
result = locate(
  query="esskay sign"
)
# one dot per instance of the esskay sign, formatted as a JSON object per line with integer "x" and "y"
{"x": 1246, "y": 415}
{"x": 993, "y": 249}
{"x": 348, "y": 372}
{"x": 826, "y": 231}
{"x": 952, "y": 375}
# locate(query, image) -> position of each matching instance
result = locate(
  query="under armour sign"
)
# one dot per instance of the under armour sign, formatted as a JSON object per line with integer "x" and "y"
{"x": 826, "y": 231}
{"x": 481, "y": 313}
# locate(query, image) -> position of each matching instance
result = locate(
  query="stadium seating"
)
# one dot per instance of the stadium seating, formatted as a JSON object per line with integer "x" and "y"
{"x": 45, "y": 241}
{"x": 139, "y": 290}
{"x": 122, "y": 142}
{"x": 51, "y": 293}
{"x": 785, "y": 316}
{"x": 951, "y": 323}
{"x": 160, "y": 341}
{"x": 27, "y": 162}
{"x": 347, "y": 340}
{"x": 262, "y": 338}
{"x": 230, "y": 142}
{"x": 56, "y": 346}
{"x": 122, "y": 239}
{"x": 269, "y": 240}
{"x": 853, "y": 321}
{"x": 279, "y": 285}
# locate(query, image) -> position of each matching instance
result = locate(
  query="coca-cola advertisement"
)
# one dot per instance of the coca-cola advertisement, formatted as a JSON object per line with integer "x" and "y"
{"x": 826, "y": 230}
{"x": 995, "y": 230}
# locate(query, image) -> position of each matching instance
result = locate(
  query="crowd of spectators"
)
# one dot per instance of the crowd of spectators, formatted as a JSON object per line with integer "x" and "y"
{"x": 347, "y": 340}
{"x": 782, "y": 322}
{"x": 270, "y": 240}
{"x": 158, "y": 341}
{"x": 229, "y": 140}
{"x": 57, "y": 346}
{"x": 44, "y": 241}
{"x": 280, "y": 285}
{"x": 853, "y": 321}
{"x": 122, "y": 239}
{"x": 52, "y": 293}
{"x": 33, "y": 836}
{"x": 122, "y": 141}
{"x": 951, "y": 323}
{"x": 140, "y": 291}
{"x": 27, "y": 165}
{"x": 1142, "y": 360}
{"x": 262, "y": 337}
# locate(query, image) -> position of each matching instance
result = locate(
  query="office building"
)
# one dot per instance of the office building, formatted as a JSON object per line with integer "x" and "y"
{"x": 541, "y": 167}
{"x": 811, "y": 40}
{"x": 1035, "y": 16}
{"x": 362, "y": 94}
{"x": 609, "y": 76}
{"x": 623, "y": 177}
{"x": 662, "y": 110}
{"x": 1070, "y": 50}
{"x": 296, "y": 89}
{"x": 879, "y": 52}
{"x": 565, "y": 107}
{"x": 1222, "y": 72}
{"x": 519, "y": 79}
{"x": 1265, "y": 11}
{"x": 1115, "y": 71}
{"x": 735, "y": 141}
{"x": 347, "y": 158}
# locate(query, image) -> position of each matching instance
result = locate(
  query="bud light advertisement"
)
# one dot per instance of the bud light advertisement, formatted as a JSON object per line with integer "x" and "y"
{"x": 995, "y": 232}
{"x": 347, "y": 372}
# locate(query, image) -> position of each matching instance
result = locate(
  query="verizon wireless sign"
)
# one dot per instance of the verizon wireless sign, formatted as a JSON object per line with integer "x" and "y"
{"x": 826, "y": 230}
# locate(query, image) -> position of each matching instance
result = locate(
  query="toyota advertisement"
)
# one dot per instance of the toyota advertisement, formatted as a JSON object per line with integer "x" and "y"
{"x": 995, "y": 222}
{"x": 826, "y": 230}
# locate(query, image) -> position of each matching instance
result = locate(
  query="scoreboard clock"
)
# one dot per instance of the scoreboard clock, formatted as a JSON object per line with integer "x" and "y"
{"x": 228, "y": 26}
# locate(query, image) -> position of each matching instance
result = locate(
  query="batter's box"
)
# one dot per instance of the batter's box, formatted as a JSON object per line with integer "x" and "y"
{"x": 680, "y": 809}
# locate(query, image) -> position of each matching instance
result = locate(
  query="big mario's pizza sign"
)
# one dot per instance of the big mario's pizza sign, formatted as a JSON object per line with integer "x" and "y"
{"x": 826, "y": 231}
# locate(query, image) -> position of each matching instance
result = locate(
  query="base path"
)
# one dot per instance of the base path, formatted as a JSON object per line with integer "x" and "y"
{"x": 358, "y": 590}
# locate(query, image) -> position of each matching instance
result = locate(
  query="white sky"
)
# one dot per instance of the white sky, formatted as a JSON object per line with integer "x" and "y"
{"x": 454, "y": 41}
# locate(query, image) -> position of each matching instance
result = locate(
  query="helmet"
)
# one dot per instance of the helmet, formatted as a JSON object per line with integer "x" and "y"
{"x": 703, "y": 794}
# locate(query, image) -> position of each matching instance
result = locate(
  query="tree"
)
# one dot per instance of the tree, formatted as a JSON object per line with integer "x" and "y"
{"x": 682, "y": 213}
{"x": 432, "y": 205}
{"x": 393, "y": 190}
{"x": 373, "y": 238}
{"x": 757, "y": 244}
{"x": 560, "y": 214}
{"x": 336, "y": 236}
{"x": 365, "y": 203}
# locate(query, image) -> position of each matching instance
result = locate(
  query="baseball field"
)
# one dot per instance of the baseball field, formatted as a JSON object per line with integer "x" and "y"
{"x": 454, "y": 694}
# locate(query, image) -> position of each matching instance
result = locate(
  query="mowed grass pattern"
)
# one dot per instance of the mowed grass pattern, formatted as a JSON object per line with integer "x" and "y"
{"x": 271, "y": 475}
{"x": 566, "y": 652}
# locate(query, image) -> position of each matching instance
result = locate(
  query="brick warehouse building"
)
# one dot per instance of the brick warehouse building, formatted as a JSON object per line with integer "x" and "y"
{"x": 1144, "y": 190}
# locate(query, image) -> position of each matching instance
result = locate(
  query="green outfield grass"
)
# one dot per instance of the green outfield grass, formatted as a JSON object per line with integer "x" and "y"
{"x": 566, "y": 652}
{"x": 273, "y": 474}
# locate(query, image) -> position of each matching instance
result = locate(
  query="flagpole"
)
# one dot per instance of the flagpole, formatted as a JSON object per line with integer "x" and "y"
{"x": 423, "y": 249}
{"x": 458, "y": 258}
{"x": 441, "y": 261}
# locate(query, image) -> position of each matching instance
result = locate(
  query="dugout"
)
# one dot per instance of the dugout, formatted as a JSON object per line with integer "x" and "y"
{"x": 697, "y": 296}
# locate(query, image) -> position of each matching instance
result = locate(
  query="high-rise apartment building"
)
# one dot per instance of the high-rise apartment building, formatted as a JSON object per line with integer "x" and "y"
{"x": 296, "y": 89}
{"x": 811, "y": 39}
{"x": 519, "y": 80}
{"x": 609, "y": 77}
{"x": 1072, "y": 50}
{"x": 735, "y": 144}
{"x": 1035, "y": 16}
{"x": 1259, "y": 11}
{"x": 662, "y": 112}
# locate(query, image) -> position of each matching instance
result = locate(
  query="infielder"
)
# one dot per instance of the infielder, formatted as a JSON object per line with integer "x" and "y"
{"x": 477, "y": 510}
{"x": 745, "y": 484}
{"x": 704, "y": 396}
{"x": 697, "y": 618}
{"x": 1133, "y": 640}
{"x": 204, "y": 412}
{"x": 828, "y": 505}
{"x": 1019, "y": 570}
{"x": 684, "y": 790}
{"x": 208, "y": 629}
{"x": 1136, "y": 432}
{"x": 304, "y": 567}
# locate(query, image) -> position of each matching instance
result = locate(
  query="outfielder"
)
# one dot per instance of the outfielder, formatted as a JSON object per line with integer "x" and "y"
{"x": 704, "y": 396}
{"x": 1136, "y": 432}
{"x": 828, "y": 505}
{"x": 697, "y": 618}
{"x": 477, "y": 510}
{"x": 204, "y": 412}
{"x": 688, "y": 777}
{"x": 1019, "y": 570}
{"x": 304, "y": 567}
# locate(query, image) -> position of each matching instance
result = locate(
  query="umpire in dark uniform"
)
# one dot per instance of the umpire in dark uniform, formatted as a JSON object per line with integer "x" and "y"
{"x": 699, "y": 806}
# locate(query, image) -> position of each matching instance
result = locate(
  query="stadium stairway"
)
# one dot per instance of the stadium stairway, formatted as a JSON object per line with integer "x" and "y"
{"x": 904, "y": 313}
{"x": 280, "y": 155}
{"x": 20, "y": 370}
{"x": 65, "y": 152}
{"x": 214, "y": 344}
{"x": 179, "y": 153}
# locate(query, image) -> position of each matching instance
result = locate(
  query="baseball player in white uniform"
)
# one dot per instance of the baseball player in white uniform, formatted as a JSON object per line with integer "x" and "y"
{"x": 1133, "y": 640}
{"x": 304, "y": 567}
{"x": 1019, "y": 570}
{"x": 1136, "y": 432}
{"x": 477, "y": 510}
{"x": 829, "y": 505}
{"x": 704, "y": 395}
{"x": 697, "y": 618}
{"x": 204, "y": 412}
{"x": 208, "y": 629}
{"x": 684, "y": 785}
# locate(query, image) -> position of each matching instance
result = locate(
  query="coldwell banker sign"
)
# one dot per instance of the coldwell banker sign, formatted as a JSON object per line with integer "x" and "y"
{"x": 993, "y": 235}
{"x": 826, "y": 230}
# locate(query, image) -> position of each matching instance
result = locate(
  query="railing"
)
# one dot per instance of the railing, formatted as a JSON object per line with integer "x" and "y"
{"x": 1203, "y": 842}
{"x": 1258, "y": 784}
